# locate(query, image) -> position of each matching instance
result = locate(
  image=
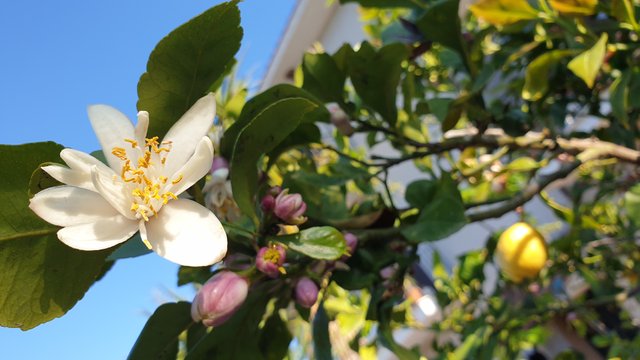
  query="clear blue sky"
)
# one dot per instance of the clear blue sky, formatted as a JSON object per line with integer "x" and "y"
{"x": 56, "y": 58}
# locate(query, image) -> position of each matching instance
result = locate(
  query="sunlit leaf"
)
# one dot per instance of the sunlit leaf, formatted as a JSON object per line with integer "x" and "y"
{"x": 587, "y": 65}
{"x": 186, "y": 63}
{"x": 262, "y": 134}
{"x": 40, "y": 277}
{"x": 574, "y": 7}
{"x": 503, "y": 12}
{"x": 536, "y": 80}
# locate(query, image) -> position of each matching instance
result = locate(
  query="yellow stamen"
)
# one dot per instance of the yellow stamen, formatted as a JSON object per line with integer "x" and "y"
{"x": 147, "y": 243}
{"x": 177, "y": 180}
{"x": 132, "y": 142}
{"x": 120, "y": 153}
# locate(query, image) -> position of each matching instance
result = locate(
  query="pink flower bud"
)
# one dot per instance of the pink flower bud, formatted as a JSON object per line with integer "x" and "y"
{"x": 275, "y": 191}
{"x": 352, "y": 242}
{"x": 267, "y": 203}
{"x": 340, "y": 119}
{"x": 270, "y": 259}
{"x": 219, "y": 163}
{"x": 306, "y": 292}
{"x": 388, "y": 272}
{"x": 290, "y": 208}
{"x": 219, "y": 298}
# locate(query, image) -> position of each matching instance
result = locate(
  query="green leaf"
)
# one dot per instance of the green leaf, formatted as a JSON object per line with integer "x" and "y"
{"x": 40, "y": 277}
{"x": 186, "y": 63}
{"x": 632, "y": 205}
{"x": 624, "y": 11}
{"x": 441, "y": 217}
{"x": 385, "y": 3}
{"x": 470, "y": 345}
{"x": 619, "y": 98}
{"x": 41, "y": 180}
{"x": 159, "y": 337}
{"x": 131, "y": 248}
{"x": 321, "y": 343}
{"x": 261, "y": 135}
{"x": 322, "y": 77}
{"x": 259, "y": 103}
{"x": 441, "y": 23}
{"x": 439, "y": 108}
{"x": 524, "y": 163}
{"x": 420, "y": 192}
{"x": 503, "y": 12}
{"x": 322, "y": 242}
{"x": 375, "y": 75}
{"x": 275, "y": 338}
{"x": 587, "y": 65}
{"x": 189, "y": 274}
{"x": 238, "y": 337}
{"x": 472, "y": 266}
{"x": 536, "y": 79}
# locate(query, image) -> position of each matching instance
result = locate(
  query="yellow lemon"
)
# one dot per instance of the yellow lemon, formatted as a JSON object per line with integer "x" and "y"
{"x": 521, "y": 252}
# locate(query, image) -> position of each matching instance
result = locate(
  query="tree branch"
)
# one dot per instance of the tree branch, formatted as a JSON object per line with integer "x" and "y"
{"x": 534, "y": 188}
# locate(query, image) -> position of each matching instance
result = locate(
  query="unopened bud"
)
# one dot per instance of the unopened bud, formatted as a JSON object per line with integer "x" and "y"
{"x": 388, "y": 272}
{"x": 267, "y": 203}
{"x": 340, "y": 119}
{"x": 290, "y": 208}
{"x": 270, "y": 259}
{"x": 352, "y": 242}
{"x": 219, "y": 163}
{"x": 219, "y": 298}
{"x": 306, "y": 292}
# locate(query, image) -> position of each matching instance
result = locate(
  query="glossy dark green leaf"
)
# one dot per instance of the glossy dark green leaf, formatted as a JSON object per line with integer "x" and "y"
{"x": 159, "y": 337}
{"x": 536, "y": 80}
{"x": 420, "y": 192}
{"x": 263, "y": 133}
{"x": 440, "y": 23}
{"x": 619, "y": 98}
{"x": 131, "y": 248}
{"x": 259, "y": 103}
{"x": 322, "y": 242}
{"x": 40, "y": 277}
{"x": 320, "y": 332}
{"x": 189, "y": 274}
{"x": 375, "y": 75}
{"x": 322, "y": 77}
{"x": 441, "y": 217}
{"x": 41, "y": 180}
{"x": 275, "y": 338}
{"x": 186, "y": 63}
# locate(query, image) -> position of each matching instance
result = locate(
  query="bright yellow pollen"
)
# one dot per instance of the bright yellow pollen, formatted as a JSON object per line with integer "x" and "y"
{"x": 177, "y": 180}
{"x": 134, "y": 144}
{"x": 148, "y": 192}
{"x": 120, "y": 153}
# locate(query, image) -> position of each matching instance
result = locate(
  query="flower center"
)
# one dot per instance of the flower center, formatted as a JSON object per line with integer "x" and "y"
{"x": 272, "y": 255}
{"x": 142, "y": 169}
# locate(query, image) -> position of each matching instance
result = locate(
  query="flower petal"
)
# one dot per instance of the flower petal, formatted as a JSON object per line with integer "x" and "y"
{"x": 70, "y": 205}
{"x": 102, "y": 234}
{"x": 79, "y": 171}
{"x": 111, "y": 127}
{"x": 187, "y": 233}
{"x": 142, "y": 126}
{"x": 186, "y": 132}
{"x": 114, "y": 191}
{"x": 196, "y": 167}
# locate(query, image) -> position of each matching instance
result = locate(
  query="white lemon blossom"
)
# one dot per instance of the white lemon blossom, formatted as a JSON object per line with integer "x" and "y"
{"x": 101, "y": 206}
